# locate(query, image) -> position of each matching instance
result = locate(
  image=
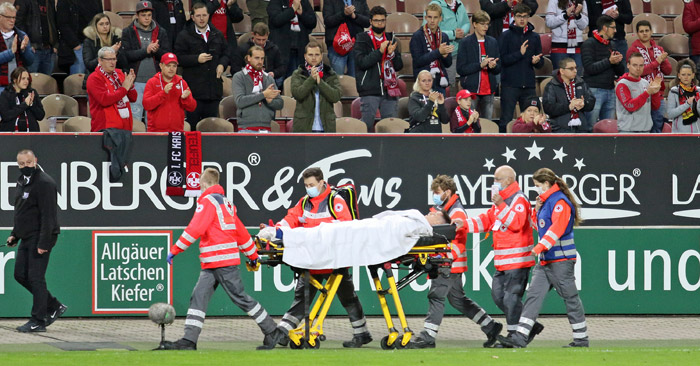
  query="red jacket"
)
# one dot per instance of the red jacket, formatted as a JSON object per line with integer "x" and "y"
{"x": 166, "y": 112}
{"x": 454, "y": 208}
{"x": 652, "y": 67}
{"x": 222, "y": 232}
{"x": 103, "y": 102}
{"x": 691, "y": 25}
{"x": 512, "y": 239}
{"x": 521, "y": 126}
{"x": 624, "y": 95}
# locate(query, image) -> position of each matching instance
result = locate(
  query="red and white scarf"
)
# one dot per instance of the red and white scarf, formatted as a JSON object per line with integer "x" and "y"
{"x": 433, "y": 41}
{"x": 295, "y": 21}
{"x": 608, "y": 5}
{"x": 256, "y": 76}
{"x": 600, "y": 38}
{"x": 319, "y": 68}
{"x": 122, "y": 104}
{"x": 26, "y": 119}
{"x": 570, "y": 89}
{"x": 453, "y": 6}
{"x": 461, "y": 120}
{"x": 571, "y": 27}
{"x": 648, "y": 60}
{"x": 509, "y": 17}
{"x": 387, "y": 66}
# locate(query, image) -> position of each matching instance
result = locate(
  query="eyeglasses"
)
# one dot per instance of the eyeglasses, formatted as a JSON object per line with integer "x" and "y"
{"x": 5, "y": 16}
{"x": 109, "y": 59}
{"x": 570, "y": 68}
{"x": 379, "y": 20}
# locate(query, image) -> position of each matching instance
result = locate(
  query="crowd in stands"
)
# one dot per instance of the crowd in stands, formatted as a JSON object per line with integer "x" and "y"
{"x": 418, "y": 66}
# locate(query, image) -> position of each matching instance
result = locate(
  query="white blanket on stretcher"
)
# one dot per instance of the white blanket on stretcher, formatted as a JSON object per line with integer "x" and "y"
{"x": 381, "y": 238}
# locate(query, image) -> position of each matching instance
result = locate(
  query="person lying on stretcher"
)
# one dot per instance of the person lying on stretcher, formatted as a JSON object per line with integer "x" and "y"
{"x": 381, "y": 238}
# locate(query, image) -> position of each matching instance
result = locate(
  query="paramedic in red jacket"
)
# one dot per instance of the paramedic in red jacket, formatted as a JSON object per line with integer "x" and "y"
{"x": 166, "y": 98}
{"x": 312, "y": 210}
{"x": 509, "y": 220}
{"x": 109, "y": 93}
{"x": 449, "y": 284}
{"x": 222, "y": 236}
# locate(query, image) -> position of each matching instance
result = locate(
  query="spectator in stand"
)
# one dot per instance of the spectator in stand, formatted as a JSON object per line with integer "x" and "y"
{"x": 567, "y": 19}
{"x": 145, "y": 42}
{"x": 426, "y": 106}
{"x": 464, "y": 119}
{"x": 602, "y": 65}
{"x": 501, "y": 13}
{"x": 633, "y": 93}
{"x": 683, "y": 98}
{"x": 109, "y": 94}
{"x": 72, "y": 16}
{"x": 257, "y": 98}
{"x": 377, "y": 60}
{"x": 353, "y": 13}
{"x": 455, "y": 23}
{"x": 655, "y": 63}
{"x": 274, "y": 66}
{"x": 521, "y": 53}
{"x": 431, "y": 49}
{"x": 20, "y": 107}
{"x": 531, "y": 120}
{"x": 316, "y": 88}
{"x": 691, "y": 24}
{"x": 166, "y": 97}
{"x": 620, "y": 11}
{"x": 258, "y": 11}
{"x": 100, "y": 33}
{"x": 566, "y": 98}
{"x": 478, "y": 62}
{"x": 170, "y": 15}
{"x": 291, "y": 22}
{"x": 15, "y": 50}
{"x": 39, "y": 22}
{"x": 203, "y": 55}
{"x": 222, "y": 14}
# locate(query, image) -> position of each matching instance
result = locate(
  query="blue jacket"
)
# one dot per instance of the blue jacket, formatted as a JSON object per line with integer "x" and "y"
{"x": 422, "y": 58}
{"x": 565, "y": 248}
{"x": 469, "y": 62}
{"x": 518, "y": 70}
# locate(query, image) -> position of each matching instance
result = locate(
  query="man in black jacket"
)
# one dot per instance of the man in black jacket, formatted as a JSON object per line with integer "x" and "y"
{"x": 222, "y": 15}
{"x": 72, "y": 16}
{"x": 290, "y": 26}
{"x": 36, "y": 229}
{"x": 374, "y": 52}
{"x": 144, "y": 42}
{"x": 566, "y": 98}
{"x": 37, "y": 18}
{"x": 621, "y": 12}
{"x": 354, "y": 13}
{"x": 501, "y": 13}
{"x": 169, "y": 14}
{"x": 203, "y": 55}
{"x": 273, "y": 65}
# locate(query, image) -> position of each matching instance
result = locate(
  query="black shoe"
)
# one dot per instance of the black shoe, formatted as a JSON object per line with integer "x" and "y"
{"x": 284, "y": 341}
{"x": 511, "y": 342}
{"x": 358, "y": 340}
{"x": 420, "y": 342}
{"x": 56, "y": 314}
{"x": 493, "y": 335}
{"x": 31, "y": 326}
{"x": 272, "y": 339}
{"x": 579, "y": 343}
{"x": 536, "y": 329}
{"x": 181, "y": 344}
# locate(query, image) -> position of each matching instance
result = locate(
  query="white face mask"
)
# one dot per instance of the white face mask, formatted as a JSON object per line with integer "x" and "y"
{"x": 539, "y": 190}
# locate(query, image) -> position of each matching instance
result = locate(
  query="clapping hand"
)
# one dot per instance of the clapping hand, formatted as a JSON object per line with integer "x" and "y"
{"x": 392, "y": 47}
{"x": 459, "y": 33}
{"x": 445, "y": 49}
{"x": 473, "y": 117}
{"x": 168, "y": 87}
{"x": 536, "y": 58}
{"x": 186, "y": 94}
{"x": 615, "y": 57}
{"x": 271, "y": 93}
{"x": 655, "y": 85}
{"x": 25, "y": 42}
{"x": 129, "y": 80}
{"x": 523, "y": 47}
{"x": 433, "y": 96}
{"x": 30, "y": 99}
{"x": 117, "y": 46}
{"x": 153, "y": 47}
{"x": 440, "y": 98}
{"x": 493, "y": 63}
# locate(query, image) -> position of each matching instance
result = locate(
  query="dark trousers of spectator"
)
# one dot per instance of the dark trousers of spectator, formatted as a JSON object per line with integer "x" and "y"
{"x": 205, "y": 108}
{"x": 509, "y": 97}
{"x": 30, "y": 272}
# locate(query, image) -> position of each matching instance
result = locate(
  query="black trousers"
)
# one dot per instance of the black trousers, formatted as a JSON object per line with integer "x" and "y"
{"x": 30, "y": 272}
{"x": 205, "y": 108}
{"x": 509, "y": 98}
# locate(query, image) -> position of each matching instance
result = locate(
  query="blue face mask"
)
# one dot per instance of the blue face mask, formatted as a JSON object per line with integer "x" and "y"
{"x": 437, "y": 199}
{"x": 312, "y": 191}
{"x": 498, "y": 186}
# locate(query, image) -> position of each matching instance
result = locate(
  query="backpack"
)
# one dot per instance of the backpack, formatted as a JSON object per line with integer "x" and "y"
{"x": 346, "y": 192}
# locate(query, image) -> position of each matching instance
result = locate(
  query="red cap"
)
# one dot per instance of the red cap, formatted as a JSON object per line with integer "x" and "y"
{"x": 168, "y": 58}
{"x": 464, "y": 93}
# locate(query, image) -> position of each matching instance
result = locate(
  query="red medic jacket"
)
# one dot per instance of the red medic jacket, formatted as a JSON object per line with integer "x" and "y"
{"x": 454, "y": 208}
{"x": 222, "y": 233}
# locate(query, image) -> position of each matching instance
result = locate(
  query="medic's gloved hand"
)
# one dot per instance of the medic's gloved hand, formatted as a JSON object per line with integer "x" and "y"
{"x": 252, "y": 265}
{"x": 170, "y": 257}
{"x": 268, "y": 233}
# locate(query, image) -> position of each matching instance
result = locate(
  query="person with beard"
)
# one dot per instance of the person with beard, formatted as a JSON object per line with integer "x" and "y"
{"x": 431, "y": 49}
{"x": 20, "y": 107}
{"x": 377, "y": 59}
{"x": 257, "y": 97}
{"x": 316, "y": 88}
{"x": 274, "y": 66}
{"x": 682, "y": 107}
{"x": 166, "y": 97}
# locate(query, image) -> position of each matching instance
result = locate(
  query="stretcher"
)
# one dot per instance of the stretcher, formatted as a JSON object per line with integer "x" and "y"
{"x": 427, "y": 255}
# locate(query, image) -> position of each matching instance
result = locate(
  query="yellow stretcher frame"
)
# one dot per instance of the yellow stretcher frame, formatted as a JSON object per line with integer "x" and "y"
{"x": 313, "y": 327}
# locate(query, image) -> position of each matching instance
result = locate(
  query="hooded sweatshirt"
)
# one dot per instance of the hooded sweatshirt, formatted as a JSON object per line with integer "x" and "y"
{"x": 633, "y": 104}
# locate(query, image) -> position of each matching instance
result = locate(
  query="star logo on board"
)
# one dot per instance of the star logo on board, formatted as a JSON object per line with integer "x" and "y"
{"x": 489, "y": 164}
{"x": 509, "y": 154}
{"x": 579, "y": 164}
{"x": 559, "y": 154}
{"x": 534, "y": 151}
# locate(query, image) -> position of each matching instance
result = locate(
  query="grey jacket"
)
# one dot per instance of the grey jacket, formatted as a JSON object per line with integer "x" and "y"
{"x": 674, "y": 111}
{"x": 252, "y": 109}
{"x": 639, "y": 120}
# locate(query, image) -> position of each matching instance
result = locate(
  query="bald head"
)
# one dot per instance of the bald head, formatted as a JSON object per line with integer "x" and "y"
{"x": 505, "y": 175}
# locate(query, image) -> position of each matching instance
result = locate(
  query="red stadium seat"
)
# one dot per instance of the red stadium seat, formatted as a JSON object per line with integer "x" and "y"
{"x": 546, "y": 40}
{"x": 666, "y": 128}
{"x": 605, "y": 126}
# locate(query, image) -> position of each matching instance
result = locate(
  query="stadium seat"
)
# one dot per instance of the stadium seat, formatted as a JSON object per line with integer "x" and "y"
{"x": 402, "y": 108}
{"x": 637, "y": 6}
{"x": 44, "y": 125}
{"x": 658, "y": 24}
{"x": 320, "y": 27}
{"x": 338, "y": 109}
{"x": 605, "y": 126}
{"x": 407, "y": 69}
{"x": 674, "y": 66}
{"x": 417, "y": 7}
{"x": 630, "y": 38}
{"x": 243, "y": 39}
{"x": 227, "y": 108}
{"x": 44, "y": 84}
{"x": 348, "y": 88}
{"x": 509, "y": 126}
{"x": 667, "y": 8}
{"x": 540, "y": 87}
{"x": 213, "y": 124}
{"x": 675, "y": 44}
{"x": 389, "y": 5}
{"x": 287, "y": 87}
{"x": 290, "y": 104}
{"x": 542, "y": 6}
{"x": 59, "y": 105}
{"x": 244, "y": 26}
{"x": 666, "y": 128}
{"x": 402, "y": 24}
{"x": 546, "y": 70}
{"x": 77, "y": 124}
{"x": 445, "y": 127}
{"x": 124, "y": 7}
{"x": 73, "y": 85}
{"x": 350, "y": 125}
{"x": 450, "y": 105}
{"x": 539, "y": 24}
{"x": 114, "y": 19}
{"x": 546, "y": 41}
{"x": 391, "y": 125}
{"x": 488, "y": 126}
{"x": 186, "y": 126}
{"x": 244, "y": 6}
{"x": 678, "y": 25}
{"x": 138, "y": 126}
{"x": 472, "y": 6}
{"x": 402, "y": 87}
{"x": 227, "y": 86}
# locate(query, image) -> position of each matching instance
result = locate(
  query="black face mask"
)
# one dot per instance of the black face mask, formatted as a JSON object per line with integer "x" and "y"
{"x": 378, "y": 30}
{"x": 27, "y": 170}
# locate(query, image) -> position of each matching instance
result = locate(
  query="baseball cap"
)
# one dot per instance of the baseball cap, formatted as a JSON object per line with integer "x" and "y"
{"x": 144, "y": 5}
{"x": 168, "y": 58}
{"x": 464, "y": 93}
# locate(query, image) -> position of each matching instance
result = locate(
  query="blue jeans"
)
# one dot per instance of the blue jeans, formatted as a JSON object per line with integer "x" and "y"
{"x": 78, "y": 66}
{"x": 605, "y": 100}
{"x": 43, "y": 61}
{"x": 556, "y": 57}
{"x": 339, "y": 63}
{"x": 293, "y": 62}
{"x": 137, "y": 106}
{"x": 657, "y": 116}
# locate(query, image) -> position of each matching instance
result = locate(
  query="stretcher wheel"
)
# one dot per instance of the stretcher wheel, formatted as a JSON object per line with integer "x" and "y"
{"x": 321, "y": 337}
{"x": 385, "y": 343}
{"x": 293, "y": 345}
{"x": 399, "y": 345}
{"x": 316, "y": 346}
